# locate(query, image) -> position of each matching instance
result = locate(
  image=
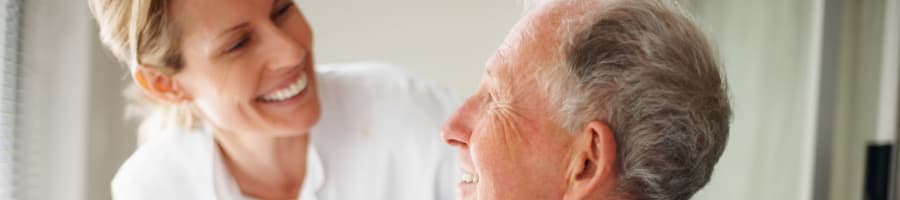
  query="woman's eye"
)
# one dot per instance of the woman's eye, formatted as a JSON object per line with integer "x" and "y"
{"x": 284, "y": 9}
{"x": 237, "y": 46}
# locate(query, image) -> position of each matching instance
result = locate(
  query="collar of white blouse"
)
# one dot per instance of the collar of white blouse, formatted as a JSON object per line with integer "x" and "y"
{"x": 227, "y": 188}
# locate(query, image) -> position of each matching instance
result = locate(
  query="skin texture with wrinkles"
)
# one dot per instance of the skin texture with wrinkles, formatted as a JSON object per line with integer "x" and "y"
{"x": 505, "y": 132}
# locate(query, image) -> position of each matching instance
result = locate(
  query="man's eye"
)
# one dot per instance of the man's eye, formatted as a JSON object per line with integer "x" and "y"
{"x": 237, "y": 46}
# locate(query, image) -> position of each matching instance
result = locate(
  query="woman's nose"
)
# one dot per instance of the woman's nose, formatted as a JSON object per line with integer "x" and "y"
{"x": 457, "y": 131}
{"x": 284, "y": 51}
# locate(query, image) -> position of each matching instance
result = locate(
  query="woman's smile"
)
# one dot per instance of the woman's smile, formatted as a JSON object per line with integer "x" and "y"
{"x": 287, "y": 92}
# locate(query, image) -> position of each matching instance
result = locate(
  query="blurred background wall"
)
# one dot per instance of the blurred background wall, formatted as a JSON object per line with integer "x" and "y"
{"x": 809, "y": 81}
{"x": 766, "y": 48}
{"x": 444, "y": 40}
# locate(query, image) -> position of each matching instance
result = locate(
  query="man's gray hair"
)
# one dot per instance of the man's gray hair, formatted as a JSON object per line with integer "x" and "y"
{"x": 644, "y": 68}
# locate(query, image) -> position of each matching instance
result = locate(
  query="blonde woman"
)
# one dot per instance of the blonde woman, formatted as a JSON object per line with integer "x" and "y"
{"x": 237, "y": 109}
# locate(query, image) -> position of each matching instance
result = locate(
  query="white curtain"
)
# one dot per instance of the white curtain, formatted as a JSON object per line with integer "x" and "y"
{"x": 71, "y": 136}
{"x": 9, "y": 25}
{"x": 776, "y": 54}
{"x": 765, "y": 46}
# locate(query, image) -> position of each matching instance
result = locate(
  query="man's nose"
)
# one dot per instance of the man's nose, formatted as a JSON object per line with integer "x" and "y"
{"x": 458, "y": 129}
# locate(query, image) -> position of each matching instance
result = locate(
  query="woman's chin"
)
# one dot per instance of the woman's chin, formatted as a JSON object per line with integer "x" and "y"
{"x": 291, "y": 134}
{"x": 298, "y": 126}
{"x": 297, "y": 122}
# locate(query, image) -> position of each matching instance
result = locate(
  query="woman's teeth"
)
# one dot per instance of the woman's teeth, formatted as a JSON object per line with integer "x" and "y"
{"x": 290, "y": 91}
{"x": 469, "y": 178}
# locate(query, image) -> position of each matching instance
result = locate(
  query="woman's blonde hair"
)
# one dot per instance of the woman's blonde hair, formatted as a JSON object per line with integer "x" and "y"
{"x": 143, "y": 33}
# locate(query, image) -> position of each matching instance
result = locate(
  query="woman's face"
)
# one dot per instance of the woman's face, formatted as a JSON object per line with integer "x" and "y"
{"x": 248, "y": 65}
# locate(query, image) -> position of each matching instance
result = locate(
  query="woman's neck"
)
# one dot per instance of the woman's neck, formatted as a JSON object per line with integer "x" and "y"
{"x": 265, "y": 166}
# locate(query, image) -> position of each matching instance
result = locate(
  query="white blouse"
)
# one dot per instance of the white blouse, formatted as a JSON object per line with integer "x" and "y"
{"x": 378, "y": 138}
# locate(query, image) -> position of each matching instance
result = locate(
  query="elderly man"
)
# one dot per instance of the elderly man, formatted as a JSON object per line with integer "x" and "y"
{"x": 594, "y": 100}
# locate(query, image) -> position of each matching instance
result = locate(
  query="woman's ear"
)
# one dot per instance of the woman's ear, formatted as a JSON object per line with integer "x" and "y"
{"x": 595, "y": 166}
{"x": 159, "y": 85}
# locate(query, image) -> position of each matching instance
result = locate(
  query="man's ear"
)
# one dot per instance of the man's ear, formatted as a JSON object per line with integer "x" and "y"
{"x": 594, "y": 169}
{"x": 159, "y": 85}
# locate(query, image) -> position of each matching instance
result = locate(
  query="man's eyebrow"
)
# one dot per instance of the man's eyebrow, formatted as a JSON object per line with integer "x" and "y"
{"x": 491, "y": 77}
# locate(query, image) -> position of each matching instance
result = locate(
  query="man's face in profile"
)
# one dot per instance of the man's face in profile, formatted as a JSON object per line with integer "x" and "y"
{"x": 541, "y": 124}
{"x": 509, "y": 146}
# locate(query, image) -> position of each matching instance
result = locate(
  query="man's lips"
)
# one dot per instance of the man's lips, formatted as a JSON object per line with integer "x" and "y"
{"x": 469, "y": 178}
{"x": 469, "y": 175}
{"x": 466, "y": 187}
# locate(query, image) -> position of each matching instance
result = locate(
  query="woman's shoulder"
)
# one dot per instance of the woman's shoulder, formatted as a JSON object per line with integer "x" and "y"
{"x": 386, "y": 86}
{"x": 378, "y": 76}
{"x": 361, "y": 70}
{"x": 167, "y": 166}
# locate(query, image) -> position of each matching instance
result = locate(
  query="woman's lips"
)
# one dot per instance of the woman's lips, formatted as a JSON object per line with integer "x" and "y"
{"x": 295, "y": 88}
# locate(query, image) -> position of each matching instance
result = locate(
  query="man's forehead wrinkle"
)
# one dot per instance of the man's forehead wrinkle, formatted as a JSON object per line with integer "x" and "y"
{"x": 535, "y": 42}
{"x": 504, "y": 53}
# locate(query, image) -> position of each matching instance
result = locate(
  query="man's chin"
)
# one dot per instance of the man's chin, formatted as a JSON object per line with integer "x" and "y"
{"x": 466, "y": 191}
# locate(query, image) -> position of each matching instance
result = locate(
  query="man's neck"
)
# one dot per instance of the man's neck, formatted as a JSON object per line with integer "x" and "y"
{"x": 265, "y": 166}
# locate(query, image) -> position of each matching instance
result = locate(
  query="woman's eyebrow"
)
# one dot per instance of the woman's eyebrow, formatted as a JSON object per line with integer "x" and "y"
{"x": 276, "y": 2}
{"x": 232, "y": 29}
